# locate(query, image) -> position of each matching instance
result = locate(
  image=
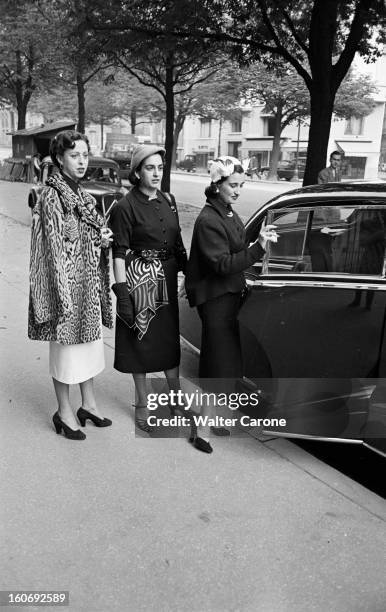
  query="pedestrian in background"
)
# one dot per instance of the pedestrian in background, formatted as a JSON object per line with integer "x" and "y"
{"x": 215, "y": 279}
{"x": 148, "y": 254}
{"x": 332, "y": 174}
{"x": 69, "y": 282}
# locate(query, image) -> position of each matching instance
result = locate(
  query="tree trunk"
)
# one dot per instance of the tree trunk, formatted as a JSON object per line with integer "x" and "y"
{"x": 21, "y": 102}
{"x": 21, "y": 114}
{"x": 81, "y": 101}
{"x": 169, "y": 124}
{"x": 322, "y": 103}
{"x": 276, "y": 144}
{"x": 219, "y": 135}
{"x": 133, "y": 119}
{"x": 102, "y": 133}
{"x": 179, "y": 124}
{"x": 323, "y": 87}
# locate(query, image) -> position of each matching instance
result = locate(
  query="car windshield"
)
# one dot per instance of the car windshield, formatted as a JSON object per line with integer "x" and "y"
{"x": 103, "y": 174}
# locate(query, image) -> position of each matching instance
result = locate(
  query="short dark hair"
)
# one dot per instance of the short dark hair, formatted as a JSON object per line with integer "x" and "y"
{"x": 134, "y": 180}
{"x": 63, "y": 141}
{"x": 335, "y": 153}
{"x": 212, "y": 190}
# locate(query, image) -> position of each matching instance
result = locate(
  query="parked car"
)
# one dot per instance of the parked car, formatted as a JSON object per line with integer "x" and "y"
{"x": 124, "y": 167}
{"x": 102, "y": 180}
{"x": 286, "y": 169}
{"x": 188, "y": 163}
{"x": 261, "y": 173}
{"x": 313, "y": 324}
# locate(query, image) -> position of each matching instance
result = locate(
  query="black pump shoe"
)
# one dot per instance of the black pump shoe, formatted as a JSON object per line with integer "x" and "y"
{"x": 83, "y": 415}
{"x": 201, "y": 444}
{"x": 71, "y": 434}
{"x": 197, "y": 442}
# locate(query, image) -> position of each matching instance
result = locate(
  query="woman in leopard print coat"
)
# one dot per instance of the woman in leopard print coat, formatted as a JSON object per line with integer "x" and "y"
{"x": 69, "y": 282}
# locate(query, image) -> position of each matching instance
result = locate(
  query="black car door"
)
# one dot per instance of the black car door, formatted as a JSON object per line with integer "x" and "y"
{"x": 313, "y": 324}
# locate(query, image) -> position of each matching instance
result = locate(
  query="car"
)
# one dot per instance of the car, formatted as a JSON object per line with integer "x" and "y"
{"x": 188, "y": 163}
{"x": 101, "y": 180}
{"x": 124, "y": 167}
{"x": 286, "y": 169}
{"x": 313, "y": 324}
{"x": 261, "y": 173}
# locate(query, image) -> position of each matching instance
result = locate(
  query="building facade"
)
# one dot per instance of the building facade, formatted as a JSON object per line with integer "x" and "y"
{"x": 360, "y": 140}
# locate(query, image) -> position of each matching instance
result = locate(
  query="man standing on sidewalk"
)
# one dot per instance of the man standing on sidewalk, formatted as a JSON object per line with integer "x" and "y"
{"x": 332, "y": 174}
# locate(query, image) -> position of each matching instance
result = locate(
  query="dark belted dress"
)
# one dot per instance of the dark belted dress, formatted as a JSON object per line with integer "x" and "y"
{"x": 141, "y": 224}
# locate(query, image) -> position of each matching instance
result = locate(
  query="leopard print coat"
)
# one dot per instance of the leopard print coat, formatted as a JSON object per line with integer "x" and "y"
{"x": 69, "y": 270}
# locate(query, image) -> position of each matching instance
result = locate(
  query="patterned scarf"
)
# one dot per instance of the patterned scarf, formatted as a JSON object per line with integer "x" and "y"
{"x": 83, "y": 202}
{"x": 147, "y": 286}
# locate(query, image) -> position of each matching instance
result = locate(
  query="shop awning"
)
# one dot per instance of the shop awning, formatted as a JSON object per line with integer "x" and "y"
{"x": 258, "y": 144}
{"x": 356, "y": 148}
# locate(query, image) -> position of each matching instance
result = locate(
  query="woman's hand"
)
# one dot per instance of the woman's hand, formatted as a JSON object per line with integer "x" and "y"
{"x": 107, "y": 237}
{"x": 267, "y": 234}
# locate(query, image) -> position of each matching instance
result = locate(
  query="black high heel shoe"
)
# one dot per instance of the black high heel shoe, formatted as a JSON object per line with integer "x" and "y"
{"x": 83, "y": 415}
{"x": 71, "y": 434}
{"x": 197, "y": 442}
{"x": 140, "y": 422}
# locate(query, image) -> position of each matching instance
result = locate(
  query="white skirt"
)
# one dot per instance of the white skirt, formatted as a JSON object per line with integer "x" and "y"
{"x": 76, "y": 363}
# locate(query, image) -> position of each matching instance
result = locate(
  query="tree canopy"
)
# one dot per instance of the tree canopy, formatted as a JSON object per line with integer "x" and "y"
{"x": 26, "y": 50}
{"x": 318, "y": 39}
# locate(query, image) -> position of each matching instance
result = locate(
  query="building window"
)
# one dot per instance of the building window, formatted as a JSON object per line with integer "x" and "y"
{"x": 236, "y": 125}
{"x": 354, "y": 126}
{"x": 268, "y": 126}
{"x": 233, "y": 149}
{"x": 205, "y": 128}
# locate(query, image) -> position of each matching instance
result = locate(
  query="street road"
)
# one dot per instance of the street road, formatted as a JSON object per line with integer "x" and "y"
{"x": 188, "y": 189}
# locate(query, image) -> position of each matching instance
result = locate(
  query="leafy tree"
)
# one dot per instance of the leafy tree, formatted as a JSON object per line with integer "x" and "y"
{"x": 217, "y": 97}
{"x": 27, "y": 62}
{"x": 78, "y": 58}
{"x": 137, "y": 101}
{"x": 319, "y": 39}
{"x": 287, "y": 99}
{"x": 168, "y": 66}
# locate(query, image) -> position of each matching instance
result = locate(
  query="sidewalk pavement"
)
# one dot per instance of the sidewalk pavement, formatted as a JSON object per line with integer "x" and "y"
{"x": 134, "y": 524}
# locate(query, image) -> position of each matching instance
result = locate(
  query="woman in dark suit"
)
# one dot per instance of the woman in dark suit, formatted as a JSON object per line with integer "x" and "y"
{"x": 214, "y": 277}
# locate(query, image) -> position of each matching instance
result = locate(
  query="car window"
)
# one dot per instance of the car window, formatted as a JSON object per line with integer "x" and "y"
{"x": 288, "y": 218}
{"x": 328, "y": 239}
{"x": 103, "y": 174}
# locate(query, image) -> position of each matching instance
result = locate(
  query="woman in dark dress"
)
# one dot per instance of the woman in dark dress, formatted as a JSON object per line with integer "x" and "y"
{"x": 148, "y": 254}
{"x": 215, "y": 279}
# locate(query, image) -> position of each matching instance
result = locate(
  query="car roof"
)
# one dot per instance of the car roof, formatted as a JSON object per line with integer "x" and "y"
{"x": 329, "y": 191}
{"x": 93, "y": 160}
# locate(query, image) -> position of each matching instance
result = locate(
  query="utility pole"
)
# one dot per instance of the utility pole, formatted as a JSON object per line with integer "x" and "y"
{"x": 296, "y": 171}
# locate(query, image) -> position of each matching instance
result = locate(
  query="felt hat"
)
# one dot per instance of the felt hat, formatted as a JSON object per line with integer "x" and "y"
{"x": 141, "y": 152}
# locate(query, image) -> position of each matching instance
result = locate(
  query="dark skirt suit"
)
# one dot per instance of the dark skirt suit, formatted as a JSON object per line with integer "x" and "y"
{"x": 214, "y": 283}
{"x": 139, "y": 223}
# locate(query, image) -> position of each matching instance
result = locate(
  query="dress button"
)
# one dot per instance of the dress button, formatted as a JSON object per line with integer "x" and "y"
{"x": 157, "y": 207}
{"x": 161, "y": 218}
{"x": 163, "y": 231}
{"x": 165, "y": 241}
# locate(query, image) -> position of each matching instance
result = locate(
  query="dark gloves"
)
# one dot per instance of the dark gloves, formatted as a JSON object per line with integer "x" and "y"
{"x": 125, "y": 307}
